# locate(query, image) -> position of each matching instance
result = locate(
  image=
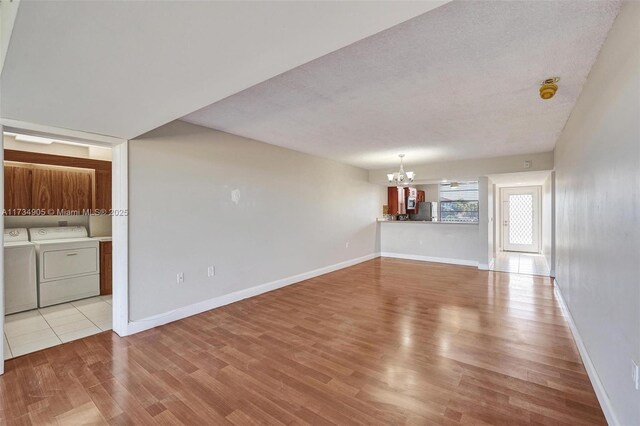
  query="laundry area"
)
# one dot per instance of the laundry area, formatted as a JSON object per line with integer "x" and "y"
{"x": 57, "y": 242}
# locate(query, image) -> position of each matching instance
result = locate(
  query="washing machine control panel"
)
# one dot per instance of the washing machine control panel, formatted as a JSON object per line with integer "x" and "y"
{"x": 15, "y": 234}
{"x": 57, "y": 233}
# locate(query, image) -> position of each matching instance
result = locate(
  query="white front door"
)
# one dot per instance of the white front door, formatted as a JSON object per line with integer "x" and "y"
{"x": 521, "y": 219}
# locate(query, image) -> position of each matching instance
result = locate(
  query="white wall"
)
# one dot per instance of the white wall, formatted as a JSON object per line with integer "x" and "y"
{"x": 8, "y": 12}
{"x": 469, "y": 169}
{"x": 438, "y": 242}
{"x": 38, "y": 221}
{"x": 485, "y": 217}
{"x": 548, "y": 198}
{"x": 597, "y": 162}
{"x": 431, "y": 191}
{"x": 292, "y": 213}
{"x": 491, "y": 248}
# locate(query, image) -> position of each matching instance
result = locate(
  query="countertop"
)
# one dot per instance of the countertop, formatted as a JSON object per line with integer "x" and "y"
{"x": 102, "y": 238}
{"x": 426, "y": 222}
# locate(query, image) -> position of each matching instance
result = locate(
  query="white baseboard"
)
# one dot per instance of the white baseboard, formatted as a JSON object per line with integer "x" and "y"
{"x": 603, "y": 398}
{"x": 206, "y": 305}
{"x": 431, "y": 259}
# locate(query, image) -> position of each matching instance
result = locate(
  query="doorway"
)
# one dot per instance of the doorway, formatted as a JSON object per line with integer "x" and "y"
{"x": 521, "y": 219}
{"x": 100, "y": 312}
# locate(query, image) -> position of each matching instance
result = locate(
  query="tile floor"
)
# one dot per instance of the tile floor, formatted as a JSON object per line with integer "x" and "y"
{"x": 521, "y": 263}
{"x": 38, "y": 329}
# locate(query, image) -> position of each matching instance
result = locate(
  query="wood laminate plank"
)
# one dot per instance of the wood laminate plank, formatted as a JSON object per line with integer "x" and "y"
{"x": 384, "y": 342}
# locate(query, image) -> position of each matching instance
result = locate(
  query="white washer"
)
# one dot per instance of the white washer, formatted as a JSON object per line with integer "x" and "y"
{"x": 20, "y": 290}
{"x": 68, "y": 264}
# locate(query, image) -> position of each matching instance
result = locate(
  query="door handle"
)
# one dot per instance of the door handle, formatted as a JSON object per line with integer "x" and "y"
{"x": 72, "y": 254}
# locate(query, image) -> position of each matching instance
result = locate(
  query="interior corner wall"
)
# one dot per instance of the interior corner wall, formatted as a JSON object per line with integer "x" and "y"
{"x": 257, "y": 212}
{"x": 597, "y": 163}
{"x": 491, "y": 237}
{"x": 485, "y": 218}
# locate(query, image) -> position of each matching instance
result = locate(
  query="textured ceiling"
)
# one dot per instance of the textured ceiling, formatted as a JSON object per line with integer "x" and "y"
{"x": 458, "y": 82}
{"x": 122, "y": 68}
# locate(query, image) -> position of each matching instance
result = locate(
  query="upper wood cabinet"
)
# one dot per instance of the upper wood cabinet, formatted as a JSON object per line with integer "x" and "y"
{"x": 55, "y": 189}
{"x": 103, "y": 189}
{"x": 53, "y": 182}
{"x": 397, "y": 200}
{"x": 17, "y": 189}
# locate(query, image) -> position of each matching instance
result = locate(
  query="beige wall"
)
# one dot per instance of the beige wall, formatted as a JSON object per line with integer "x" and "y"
{"x": 257, "y": 212}
{"x": 597, "y": 162}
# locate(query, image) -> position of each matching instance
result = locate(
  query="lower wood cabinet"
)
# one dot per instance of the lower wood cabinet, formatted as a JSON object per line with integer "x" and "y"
{"x": 106, "y": 268}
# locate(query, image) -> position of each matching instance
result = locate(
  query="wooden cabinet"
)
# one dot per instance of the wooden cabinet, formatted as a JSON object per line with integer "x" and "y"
{"x": 397, "y": 200}
{"x": 106, "y": 267}
{"x": 18, "y": 187}
{"x": 52, "y": 182}
{"x": 56, "y": 189}
{"x": 394, "y": 201}
{"x": 103, "y": 189}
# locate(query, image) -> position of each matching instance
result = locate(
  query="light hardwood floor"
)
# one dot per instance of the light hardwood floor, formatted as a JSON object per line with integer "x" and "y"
{"x": 384, "y": 342}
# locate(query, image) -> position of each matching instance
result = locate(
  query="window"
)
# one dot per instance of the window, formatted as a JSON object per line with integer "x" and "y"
{"x": 459, "y": 202}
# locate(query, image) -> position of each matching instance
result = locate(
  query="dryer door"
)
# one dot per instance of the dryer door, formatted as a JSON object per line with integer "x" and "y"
{"x": 58, "y": 264}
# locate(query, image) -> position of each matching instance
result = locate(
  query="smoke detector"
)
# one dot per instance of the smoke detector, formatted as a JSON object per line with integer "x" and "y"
{"x": 548, "y": 88}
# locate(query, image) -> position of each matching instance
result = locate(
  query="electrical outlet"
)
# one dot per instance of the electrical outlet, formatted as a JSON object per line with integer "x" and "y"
{"x": 635, "y": 375}
{"x": 527, "y": 164}
{"x": 211, "y": 271}
{"x": 180, "y": 278}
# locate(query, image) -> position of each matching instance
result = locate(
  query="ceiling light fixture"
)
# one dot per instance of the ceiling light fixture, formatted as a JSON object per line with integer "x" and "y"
{"x": 401, "y": 177}
{"x": 33, "y": 139}
{"x": 548, "y": 88}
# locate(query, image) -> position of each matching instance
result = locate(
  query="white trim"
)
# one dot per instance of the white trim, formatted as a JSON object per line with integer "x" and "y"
{"x": 120, "y": 234}
{"x": 206, "y": 305}
{"x": 601, "y": 393}
{"x": 431, "y": 259}
{"x": 74, "y": 135}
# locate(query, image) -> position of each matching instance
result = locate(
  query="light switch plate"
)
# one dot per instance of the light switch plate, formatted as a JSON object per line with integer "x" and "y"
{"x": 635, "y": 375}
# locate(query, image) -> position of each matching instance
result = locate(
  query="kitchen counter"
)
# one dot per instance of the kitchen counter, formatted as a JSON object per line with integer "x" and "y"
{"x": 102, "y": 238}
{"x": 426, "y": 222}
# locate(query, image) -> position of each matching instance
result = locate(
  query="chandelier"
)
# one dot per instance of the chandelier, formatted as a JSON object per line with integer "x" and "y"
{"x": 401, "y": 177}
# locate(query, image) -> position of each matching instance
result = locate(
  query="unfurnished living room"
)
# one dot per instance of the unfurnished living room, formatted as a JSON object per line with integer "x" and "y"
{"x": 320, "y": 212}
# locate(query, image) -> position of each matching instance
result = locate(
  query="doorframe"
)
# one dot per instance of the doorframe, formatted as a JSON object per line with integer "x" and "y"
{"x": 538, "y": 189}
{"x": 120, "y": 223}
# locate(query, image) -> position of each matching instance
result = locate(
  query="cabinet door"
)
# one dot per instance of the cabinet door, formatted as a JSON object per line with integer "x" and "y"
{"x": 57, "y": 189}
{"x": 77, "y": 190}
{"x": 17, "y": 189}
{"x": 47, "y": 189}
{"x": 103, "y": 190}
{"x": 106, "y": 268}
{"x": 392, "y": 200}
